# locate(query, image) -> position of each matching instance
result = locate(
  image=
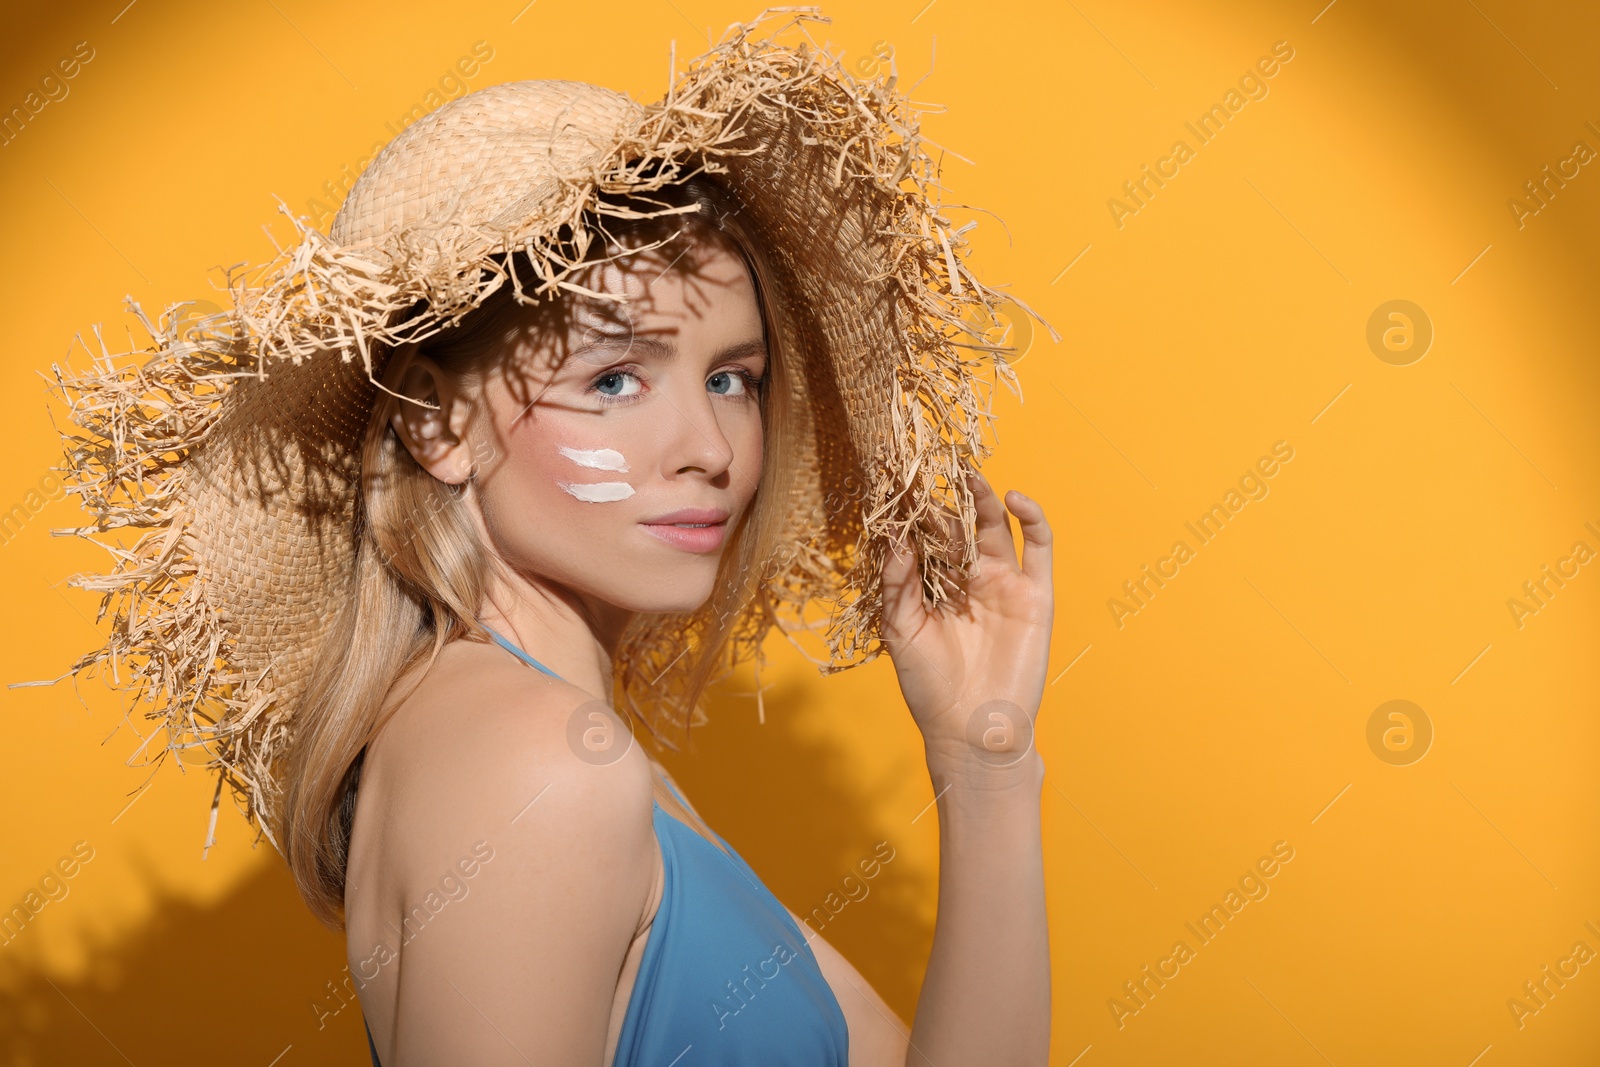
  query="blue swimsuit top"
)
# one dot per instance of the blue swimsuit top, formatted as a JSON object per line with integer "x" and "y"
{"x": 726, "y": 978}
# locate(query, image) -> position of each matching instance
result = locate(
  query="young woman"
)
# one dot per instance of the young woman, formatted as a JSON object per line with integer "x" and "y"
{"x": 605, "y": 454}
{"x": 575, "y": 402}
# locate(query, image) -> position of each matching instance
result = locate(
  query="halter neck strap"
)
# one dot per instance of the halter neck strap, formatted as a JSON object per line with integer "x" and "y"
{"x": 523, "y": 656}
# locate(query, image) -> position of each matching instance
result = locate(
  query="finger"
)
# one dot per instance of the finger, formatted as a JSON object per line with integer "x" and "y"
{"x": 994, "y": 525}
{"x": 955, "y": 536}
{"x": 1036, "y": 535}
{"x": 902, "y": 589}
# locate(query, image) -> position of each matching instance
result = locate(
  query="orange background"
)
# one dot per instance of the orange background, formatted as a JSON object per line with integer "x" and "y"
{"x": 1231, "y": 712}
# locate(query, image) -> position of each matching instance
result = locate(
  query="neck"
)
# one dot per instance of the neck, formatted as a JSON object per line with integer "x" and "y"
{"x": 574, "y": 636}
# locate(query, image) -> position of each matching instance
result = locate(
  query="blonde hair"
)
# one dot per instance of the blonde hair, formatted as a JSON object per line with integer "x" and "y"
{"x": 422, "y": 572}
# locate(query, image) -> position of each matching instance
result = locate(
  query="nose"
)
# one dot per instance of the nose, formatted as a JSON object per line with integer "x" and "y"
{"x": 695, "y": 439}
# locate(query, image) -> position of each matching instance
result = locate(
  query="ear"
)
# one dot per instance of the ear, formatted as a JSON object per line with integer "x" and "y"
{"x": 433, "y": 430}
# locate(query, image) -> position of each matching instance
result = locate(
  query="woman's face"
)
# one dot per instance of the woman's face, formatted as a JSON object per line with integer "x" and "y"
{"x": 625, "y": 441}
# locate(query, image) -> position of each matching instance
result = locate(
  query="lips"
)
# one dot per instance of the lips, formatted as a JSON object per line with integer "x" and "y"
{"x": 690, "y": 529}
{"x": 688, "y": 516}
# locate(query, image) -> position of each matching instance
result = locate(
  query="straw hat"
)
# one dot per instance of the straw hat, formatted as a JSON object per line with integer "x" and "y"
{"x": 236, "y": 445}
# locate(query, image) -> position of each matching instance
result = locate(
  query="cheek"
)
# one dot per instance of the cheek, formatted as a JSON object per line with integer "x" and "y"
{"x": 595, "y": 473}
{"x": 749, "y": 456}
{"x": 584, "y": 466}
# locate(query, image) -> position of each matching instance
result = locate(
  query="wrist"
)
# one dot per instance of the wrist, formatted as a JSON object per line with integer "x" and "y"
{"x": 981, "y": 778}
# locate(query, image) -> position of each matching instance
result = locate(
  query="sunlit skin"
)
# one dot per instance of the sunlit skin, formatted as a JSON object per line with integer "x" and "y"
{"x": 670, "y": 381}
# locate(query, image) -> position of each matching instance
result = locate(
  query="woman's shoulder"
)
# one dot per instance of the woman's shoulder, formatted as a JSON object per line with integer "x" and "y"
{"x": 480, "y": 742}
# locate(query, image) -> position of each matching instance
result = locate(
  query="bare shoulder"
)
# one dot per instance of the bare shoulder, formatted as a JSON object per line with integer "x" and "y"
{"x": 476, "y": 762}
{"x": 480, "y": 742}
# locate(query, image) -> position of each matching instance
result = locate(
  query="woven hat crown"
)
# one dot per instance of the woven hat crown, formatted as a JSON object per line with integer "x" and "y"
{"x": 486, "y": 160}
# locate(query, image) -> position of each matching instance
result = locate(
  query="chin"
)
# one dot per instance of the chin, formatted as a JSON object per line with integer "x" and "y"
{"x": 664, "y": 605}
{"x": 657, "y": 591}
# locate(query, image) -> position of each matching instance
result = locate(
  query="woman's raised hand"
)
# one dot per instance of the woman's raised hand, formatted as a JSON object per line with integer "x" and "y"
{"x": 972, "y": 670}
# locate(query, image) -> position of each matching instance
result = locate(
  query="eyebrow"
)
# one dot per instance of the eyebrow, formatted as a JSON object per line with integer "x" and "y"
{"x": 666, "y": 351}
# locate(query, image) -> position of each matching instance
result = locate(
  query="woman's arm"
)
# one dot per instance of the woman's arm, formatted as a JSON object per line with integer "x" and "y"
{"x": 972, "y": 672}
{"x": 986, "y": 995}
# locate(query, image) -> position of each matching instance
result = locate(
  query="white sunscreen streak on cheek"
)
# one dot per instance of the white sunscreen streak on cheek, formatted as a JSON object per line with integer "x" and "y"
{"x": 603, "y": 459}
{"x": 598, "y": 492}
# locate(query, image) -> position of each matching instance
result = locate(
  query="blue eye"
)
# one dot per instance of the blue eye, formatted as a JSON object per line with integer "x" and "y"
{"x": 746, "y": 383}
{"x": 602, "y": 384}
